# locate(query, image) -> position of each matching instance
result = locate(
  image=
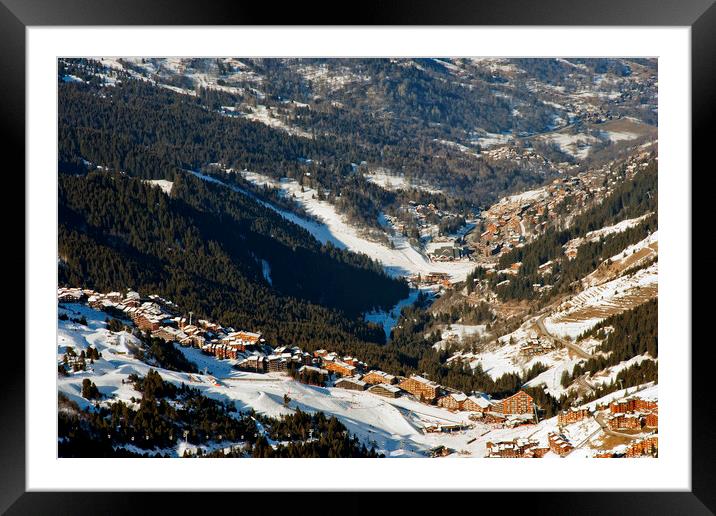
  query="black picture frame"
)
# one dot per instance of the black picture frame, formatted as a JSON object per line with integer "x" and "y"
{"x": 700, "y": 15}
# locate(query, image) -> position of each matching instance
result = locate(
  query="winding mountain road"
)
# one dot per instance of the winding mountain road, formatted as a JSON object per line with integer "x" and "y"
{"x": 570, "y": 345}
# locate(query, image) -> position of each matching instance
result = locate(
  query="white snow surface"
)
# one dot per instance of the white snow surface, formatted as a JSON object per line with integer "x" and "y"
{"x": 388, "y": 319}
{"x": 552, "y": 378}
{"x": 502, "y": 357}
{"x": 393, "y": 182}
{"x": 264, "y": 116}
{"x": 652, "y": 238}
{"x": 618, "y": 136}
{"x": 266, "y": 270}
{"x": 578, "y": 145}
{"x": 165, "y": 185}
{"x": 619, "y": 227}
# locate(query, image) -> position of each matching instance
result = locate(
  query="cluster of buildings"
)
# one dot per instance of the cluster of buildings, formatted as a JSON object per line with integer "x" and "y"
{"x": 431, "y": 278}
{"x": 633, "y": 404}
{"x": 520, "y": 448}
{"x": 633, "y": 414}
{"x": 423, "y": 389}
{"x": 457, "y": 250}
{"x": 515, "y": 410}
{"x": 518, "y": 408}
{"x": 150, "y": 313}
{"x": 536, "y": 347}
{"x": 446, "y": 427}
{"x": 518, "y": 219}
{"x": 441, "y": 232}
{"x": 526, "y": 157}
{"x": 285, "y": 358}
{"x": 559, "y": 444}
{"x": 228, "y": 345}
{"x": 572, "y": 415}
{"x": 424, "y": 216}
{"x": 279, "y": 360}
{"x": 648, "y": 445}
{"x": 645, "y": 447}
{"x": 385, "y": 390}
{"x": 163, "y": 320}
{"x": 73, "y": 295}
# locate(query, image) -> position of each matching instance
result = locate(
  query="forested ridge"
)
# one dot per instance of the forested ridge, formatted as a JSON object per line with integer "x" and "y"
{"x": 117, "y": 232}
{"x": 624, "y": 336}
{"x": 149, "y": 131}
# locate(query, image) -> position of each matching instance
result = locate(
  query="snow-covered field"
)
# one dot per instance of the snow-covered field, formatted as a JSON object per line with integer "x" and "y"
{"x": 456, "y": 333}
{"x": 530, "y": 195}
{"x": 461, "y": 331}
{"x": 486, "y": 139}
{"x": 594, "y": 236}
{"x": 462, "y": 148}
{"x": 403, "y": 260}
{"x": 503, "y": 355}
{"x": 388, "y": 181}
{"x": 608, "y": 375}
{"x": 551, "y": 379}
{"x": 619, "y": 136}
{"x": 266, "y": 270}
{"x": 392, "y": 182}
{"x": 635, "y": 255}
{"x": 647, "y": 391}
{"x": 619, "y": 227}
{"x": 165, "y": 185}
{"x": 578, "y": 145}
{"x": 634, "y": 248}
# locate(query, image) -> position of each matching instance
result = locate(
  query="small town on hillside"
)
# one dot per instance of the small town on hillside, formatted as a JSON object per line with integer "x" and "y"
{"x": 520, "y": 218}
{"x": 631, "y": 421}
{"x": 516, "y": 220}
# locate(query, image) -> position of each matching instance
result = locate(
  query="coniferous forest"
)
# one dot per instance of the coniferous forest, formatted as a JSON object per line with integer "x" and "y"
{"x": 157, "y": 424}
{"x": 116, "y": 231}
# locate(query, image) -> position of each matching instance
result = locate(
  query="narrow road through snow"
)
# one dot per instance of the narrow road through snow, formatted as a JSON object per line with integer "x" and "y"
{"x": 576, "y": 349}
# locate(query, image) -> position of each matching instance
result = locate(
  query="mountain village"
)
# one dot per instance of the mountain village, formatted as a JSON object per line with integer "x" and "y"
{"x": 621, "y": 426}
{"x": 475, "y": 277}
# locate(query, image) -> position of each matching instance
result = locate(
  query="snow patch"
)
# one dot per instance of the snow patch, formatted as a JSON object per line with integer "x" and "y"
{"x": 266, "y": 270}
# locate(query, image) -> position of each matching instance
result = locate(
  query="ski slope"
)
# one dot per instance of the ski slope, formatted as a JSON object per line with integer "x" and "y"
{"x": 403, "y": 260}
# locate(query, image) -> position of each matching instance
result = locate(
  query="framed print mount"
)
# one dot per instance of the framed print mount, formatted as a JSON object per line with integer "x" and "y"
{"x": 677, "y": 191}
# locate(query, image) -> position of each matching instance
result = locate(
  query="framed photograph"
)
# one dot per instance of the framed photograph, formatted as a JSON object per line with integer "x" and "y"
{"x": 280, "y": 258}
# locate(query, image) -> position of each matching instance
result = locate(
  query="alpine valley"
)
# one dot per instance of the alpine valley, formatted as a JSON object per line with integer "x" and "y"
{"x": 444, "y": 257}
